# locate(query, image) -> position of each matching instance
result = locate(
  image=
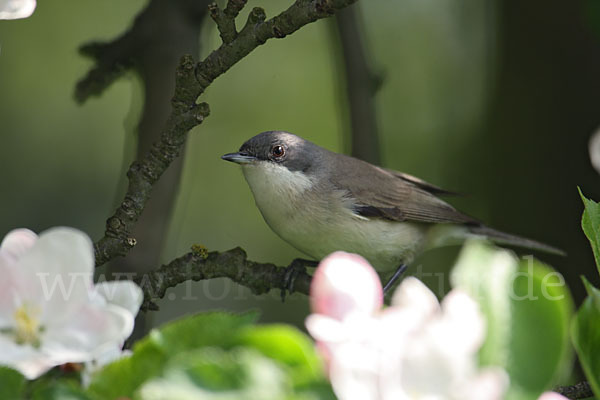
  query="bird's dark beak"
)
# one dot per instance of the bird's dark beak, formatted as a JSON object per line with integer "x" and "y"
{"x": 238, "y": 158}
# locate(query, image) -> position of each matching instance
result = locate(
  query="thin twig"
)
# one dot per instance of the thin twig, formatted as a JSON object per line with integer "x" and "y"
{"x": 225, "y": 19}
{"x": 191, "y": 81}
{"x": 256, "y": 32}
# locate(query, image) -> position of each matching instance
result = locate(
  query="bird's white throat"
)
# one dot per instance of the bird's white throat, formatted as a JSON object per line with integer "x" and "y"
{"x": 274, "y": 182}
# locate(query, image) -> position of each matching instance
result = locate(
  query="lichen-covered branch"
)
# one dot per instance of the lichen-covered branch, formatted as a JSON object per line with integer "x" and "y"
{"x": 581, "y": 390}
{"x": 191, "y": 81}
{"x": 233, "y": 264}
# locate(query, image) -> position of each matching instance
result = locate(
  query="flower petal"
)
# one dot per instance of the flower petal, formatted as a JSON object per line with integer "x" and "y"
{"x": 14, "y": 9}
{"x": 464, "y": 324}
{"x": 88, "y": 334}
{"x": 7, "y": 288}
{"x": 354, "y": 371}
{"x": 56, "y": 273}
{"x": 552, "y": 396}
{"x": 594, "y": 149}
{"x": 413, "y": 294}
{"x": 345, "y": 283}
{"x": 125, "y": 294}
{"x": 325, "y": 329}
{"x": 17, "y": 242}
{"x": 25, "y": 359}
{"x": 490, "y": 384}
{"x": 14, "y": 245}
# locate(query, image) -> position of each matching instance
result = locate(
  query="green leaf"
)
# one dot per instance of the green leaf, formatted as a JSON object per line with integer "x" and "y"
{"x": 12, "y": 384}
{"x": 586, "y": 336}
{"x": 60, "y": 390}
{"x": 288, "y": 346}
{"x": 593, "y": 293}
{"x": 213, "y": 373}
{"x": 217, "y": 355}
{"x": 123, "y": 377}
{"x": 527, "y": 308}
{"x": 485, "y": 273}
{"x": 240, "y": 373}
{"x": 590, "y": 223}
{"x": 540, "y": 351}
{"x": 207, "y": 329}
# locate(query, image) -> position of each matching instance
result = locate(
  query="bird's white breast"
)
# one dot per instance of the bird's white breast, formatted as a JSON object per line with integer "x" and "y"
{"x": 321, "y": 224}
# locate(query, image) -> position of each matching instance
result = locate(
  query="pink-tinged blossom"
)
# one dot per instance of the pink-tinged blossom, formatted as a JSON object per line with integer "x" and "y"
{"x": 414, "y": 349}
{"x": 51, "y": 312}
{"x": 552, "y": 396}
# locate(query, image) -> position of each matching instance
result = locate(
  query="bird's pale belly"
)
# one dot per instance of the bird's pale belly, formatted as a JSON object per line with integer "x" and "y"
{"x": 384, "y": 244}
{"x": 319, "y": 226}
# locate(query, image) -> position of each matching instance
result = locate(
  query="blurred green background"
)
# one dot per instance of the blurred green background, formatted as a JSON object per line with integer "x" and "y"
{"x": 495, "y": 99}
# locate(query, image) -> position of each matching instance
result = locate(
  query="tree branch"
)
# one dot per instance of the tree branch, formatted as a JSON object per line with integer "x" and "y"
{"x": 361, "y": 84}
{"x": 144, "y": 173}
{"x": 200, "y": 265}
{"x": 161, "y": 27}
{"x": 225, "y": 20}
{"x": 257, "y": 32}
{"x": 191, "y": 81}
{"x": 112, "y": 61}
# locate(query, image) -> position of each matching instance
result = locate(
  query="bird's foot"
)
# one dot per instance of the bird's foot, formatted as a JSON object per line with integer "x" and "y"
{"x": 291, "y": 273}
{"x": 394, "y": 278}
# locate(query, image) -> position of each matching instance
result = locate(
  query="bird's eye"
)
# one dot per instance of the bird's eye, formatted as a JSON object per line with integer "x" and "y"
{"x": 278, "y": 151}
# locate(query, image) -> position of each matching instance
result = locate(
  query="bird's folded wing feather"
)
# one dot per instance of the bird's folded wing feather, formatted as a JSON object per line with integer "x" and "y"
{"x": 428, "y": 187}
{"x": 390, "y": 195}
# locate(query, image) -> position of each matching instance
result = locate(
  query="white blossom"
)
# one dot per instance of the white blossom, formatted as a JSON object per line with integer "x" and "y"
{"x": 15, "y": 9}
{"x": 414, "y": 349}
{"x": 594, "y": 150}
{"x": 51, "y": 312}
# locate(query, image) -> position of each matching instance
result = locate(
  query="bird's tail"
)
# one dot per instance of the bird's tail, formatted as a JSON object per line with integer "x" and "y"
{"x": 514, "y": 240}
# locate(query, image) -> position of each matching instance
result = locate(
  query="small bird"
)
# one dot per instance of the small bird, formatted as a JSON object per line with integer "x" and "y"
{"x": 320, "y": 202}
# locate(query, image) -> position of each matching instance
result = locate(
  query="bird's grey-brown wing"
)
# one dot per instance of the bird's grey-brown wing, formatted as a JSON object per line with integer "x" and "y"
{"x": 428, "y": 187}
{"x": 386, "y": 194}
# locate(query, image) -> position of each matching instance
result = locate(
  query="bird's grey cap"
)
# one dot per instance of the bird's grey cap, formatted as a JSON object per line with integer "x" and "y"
{"x": 298, "y": 154}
